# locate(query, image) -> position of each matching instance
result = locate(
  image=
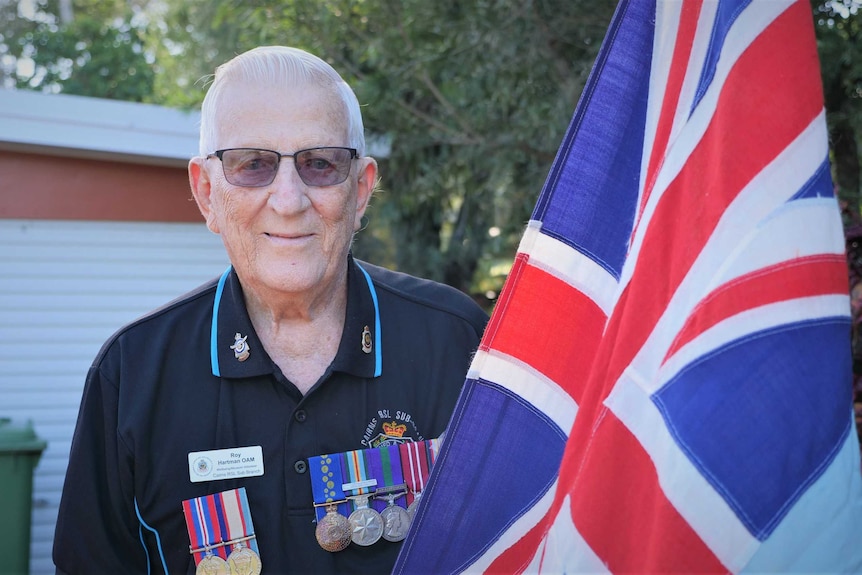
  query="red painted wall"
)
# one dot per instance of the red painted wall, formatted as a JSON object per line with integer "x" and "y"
{"x": 34, "y": 186}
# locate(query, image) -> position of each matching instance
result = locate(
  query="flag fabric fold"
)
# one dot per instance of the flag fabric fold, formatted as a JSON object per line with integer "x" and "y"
{"x": 665, "y": 382}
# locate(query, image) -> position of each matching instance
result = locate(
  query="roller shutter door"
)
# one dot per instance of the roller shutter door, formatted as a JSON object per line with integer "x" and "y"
{"x": 65, "y": 287}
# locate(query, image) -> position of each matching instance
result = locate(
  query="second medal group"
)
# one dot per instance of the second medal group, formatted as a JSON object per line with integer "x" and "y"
{"x": 365, "y": 526}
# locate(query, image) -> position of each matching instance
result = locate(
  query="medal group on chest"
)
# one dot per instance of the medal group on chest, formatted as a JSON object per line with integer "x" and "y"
{"x": 221, "y": 534}
{"x": 366, "y": 495}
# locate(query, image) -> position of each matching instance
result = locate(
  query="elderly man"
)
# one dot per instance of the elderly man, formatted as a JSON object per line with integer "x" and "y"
{"x": 199, "y": 421}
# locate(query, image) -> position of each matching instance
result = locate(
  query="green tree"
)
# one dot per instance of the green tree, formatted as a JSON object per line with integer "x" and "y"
{"x": 839, "y": 43}
{"x": 84, "y": 47}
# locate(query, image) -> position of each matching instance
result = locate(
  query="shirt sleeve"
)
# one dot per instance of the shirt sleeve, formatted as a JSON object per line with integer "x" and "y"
{"x": 97, "y": 530}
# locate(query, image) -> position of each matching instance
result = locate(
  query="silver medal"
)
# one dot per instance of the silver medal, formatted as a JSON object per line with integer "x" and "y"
{"x": 396, "y": 522}
{"x": 366, "y": 525}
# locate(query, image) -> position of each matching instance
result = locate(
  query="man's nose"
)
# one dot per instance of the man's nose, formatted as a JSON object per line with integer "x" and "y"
{"x": 287, "y": 192}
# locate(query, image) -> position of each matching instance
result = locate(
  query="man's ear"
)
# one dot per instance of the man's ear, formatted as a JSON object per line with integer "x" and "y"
{"x": 365, "y": 186}
{"x": 202, "y": 191}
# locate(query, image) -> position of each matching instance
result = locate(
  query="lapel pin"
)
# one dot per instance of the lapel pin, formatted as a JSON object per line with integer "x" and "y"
{"x": 240, "y": 347}
{"x": 366, "y": 340}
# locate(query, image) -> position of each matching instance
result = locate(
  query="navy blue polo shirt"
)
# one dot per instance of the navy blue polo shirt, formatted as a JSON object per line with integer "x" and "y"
{"x": 170, "y": 384}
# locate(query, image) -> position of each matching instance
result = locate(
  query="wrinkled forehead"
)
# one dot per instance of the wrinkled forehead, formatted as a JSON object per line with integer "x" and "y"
{"x": 256, "y": 105}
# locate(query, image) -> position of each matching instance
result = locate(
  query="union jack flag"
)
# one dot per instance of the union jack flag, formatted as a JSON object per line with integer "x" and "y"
{"x": 665, "y": 382}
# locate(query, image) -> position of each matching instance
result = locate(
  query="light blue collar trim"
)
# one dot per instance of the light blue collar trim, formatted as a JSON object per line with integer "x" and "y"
{"x": 378, "y": 355}
{"x": 214, "y": 330}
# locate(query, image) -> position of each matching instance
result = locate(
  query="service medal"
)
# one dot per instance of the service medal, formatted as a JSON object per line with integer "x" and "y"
{"x": 396, "y": 522}
{"x": 212, "y": 565}
{"x": 243, "y": 561}
{"x": 333, "y": 531}
{"x": 366, "y": 525}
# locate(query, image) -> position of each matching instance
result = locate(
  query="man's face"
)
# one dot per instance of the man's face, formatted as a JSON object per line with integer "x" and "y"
{"x": 288, "y": 237}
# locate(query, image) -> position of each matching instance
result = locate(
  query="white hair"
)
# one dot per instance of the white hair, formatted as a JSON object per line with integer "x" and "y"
{"x": 284, "y": 65}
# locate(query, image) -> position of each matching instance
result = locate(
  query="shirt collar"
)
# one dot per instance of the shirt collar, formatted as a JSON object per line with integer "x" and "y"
{"x": 236, "y": 351}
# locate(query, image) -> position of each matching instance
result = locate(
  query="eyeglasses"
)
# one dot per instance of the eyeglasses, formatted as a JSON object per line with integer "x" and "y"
{"x": 255, "y": 168}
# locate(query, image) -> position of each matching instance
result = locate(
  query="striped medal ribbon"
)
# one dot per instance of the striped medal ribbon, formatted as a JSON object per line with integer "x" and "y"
{"x": 417, "y": 459}
{"x": 221, "y": 533}
{"x": 366, "y": 525}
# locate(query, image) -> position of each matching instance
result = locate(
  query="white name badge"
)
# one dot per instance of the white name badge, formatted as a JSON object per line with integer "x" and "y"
{"x": 230, "y": 463}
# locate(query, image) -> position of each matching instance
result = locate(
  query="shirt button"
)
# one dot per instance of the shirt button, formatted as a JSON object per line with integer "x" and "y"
{"x": 300, "y": 415}
{"x": 300, "y": 466}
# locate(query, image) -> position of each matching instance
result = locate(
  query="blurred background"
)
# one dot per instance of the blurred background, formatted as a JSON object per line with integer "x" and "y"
{"x": 465, "y": 104}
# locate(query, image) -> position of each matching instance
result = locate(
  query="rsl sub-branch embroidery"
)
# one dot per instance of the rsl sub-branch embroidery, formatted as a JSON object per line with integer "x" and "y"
{"x": 390, "y": 427}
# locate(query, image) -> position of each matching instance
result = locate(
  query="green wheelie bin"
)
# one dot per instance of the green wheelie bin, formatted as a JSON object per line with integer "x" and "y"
{"x": 20, "y": 451}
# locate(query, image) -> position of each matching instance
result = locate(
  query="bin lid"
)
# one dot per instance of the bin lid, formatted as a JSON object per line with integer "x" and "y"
{"x": 19, "y": 438}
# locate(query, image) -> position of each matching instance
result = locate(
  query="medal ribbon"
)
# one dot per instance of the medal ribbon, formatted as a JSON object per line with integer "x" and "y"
{"x": 214, "y": 520}
{"x": 237, "y": 516}
{"x": 415, "y": 467}
{"x": 384, "y": 464}
{"x": 355, "y": 471}
{"x": 205, "y": 526}
{"x": 326, "y": 480}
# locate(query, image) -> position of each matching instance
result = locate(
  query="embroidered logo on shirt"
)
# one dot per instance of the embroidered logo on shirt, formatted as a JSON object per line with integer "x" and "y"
{"x": 390, "y": 427}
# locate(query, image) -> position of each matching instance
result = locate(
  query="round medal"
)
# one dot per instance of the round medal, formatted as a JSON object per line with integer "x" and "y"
{"x": 396, "y": 522}
{"x": 212, "y": 565}
{"x": 243, "y": 561}
{"x": 333, "y": 531}
{"x": 366, "y": 526}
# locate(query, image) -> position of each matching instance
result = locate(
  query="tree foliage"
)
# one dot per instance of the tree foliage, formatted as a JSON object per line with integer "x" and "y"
{"x": 839, "y": 43}
{"x": 98, "y": 48}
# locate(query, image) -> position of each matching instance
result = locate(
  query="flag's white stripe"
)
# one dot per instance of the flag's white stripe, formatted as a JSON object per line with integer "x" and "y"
{"x": 779, "y": 238}
{"x": 515, "y": 532}
{"x": 786, "y": 238}
{"x": 682, "y": 483}
{"x": 759, "y": 225}
{"x": 761, "y": 211}
{"x": 528, "y": 383}
{"x": 664, "y": 41}
{"x": 569, "y": 265}
{"x": 822, "y": 532}
{"x": 694, "y": 66}
{"x": 744, "y": 31}
{"x": 757, "y": 16}
{"x": 564, "y": 549}
{"x": 744, "y": 324}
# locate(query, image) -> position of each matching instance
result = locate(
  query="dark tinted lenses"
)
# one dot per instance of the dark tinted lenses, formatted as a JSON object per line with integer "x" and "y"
{"x": 323, "y": 166}
{"x": 254, "y": 168}
{"x": 250, "y": 168}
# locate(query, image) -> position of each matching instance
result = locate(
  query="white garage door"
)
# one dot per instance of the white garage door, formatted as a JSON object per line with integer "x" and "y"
{"x": 65, "y": 287}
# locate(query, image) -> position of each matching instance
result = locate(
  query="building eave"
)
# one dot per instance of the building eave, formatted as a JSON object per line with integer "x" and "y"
{"x": 96, "y": 128}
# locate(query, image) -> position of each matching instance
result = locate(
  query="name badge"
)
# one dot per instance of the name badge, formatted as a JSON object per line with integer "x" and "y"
{"x": 230, "y": 463}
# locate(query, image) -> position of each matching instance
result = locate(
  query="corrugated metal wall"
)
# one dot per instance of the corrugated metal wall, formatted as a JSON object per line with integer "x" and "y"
{"x": 65, "y": 287}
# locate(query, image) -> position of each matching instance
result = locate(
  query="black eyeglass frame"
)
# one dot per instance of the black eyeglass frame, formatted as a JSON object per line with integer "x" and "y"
{"x": 354, "y": 154}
